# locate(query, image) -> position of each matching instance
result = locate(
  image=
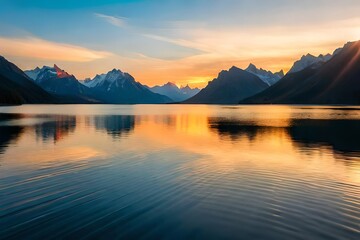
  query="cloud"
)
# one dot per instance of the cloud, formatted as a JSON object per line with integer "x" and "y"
{"x": 116, "y": 21}
{"x": 36, "y": 48}
{"x": 177, "y": 41}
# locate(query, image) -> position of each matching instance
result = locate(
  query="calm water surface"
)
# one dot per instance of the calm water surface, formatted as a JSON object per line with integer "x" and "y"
{"x": 178, "y": 171}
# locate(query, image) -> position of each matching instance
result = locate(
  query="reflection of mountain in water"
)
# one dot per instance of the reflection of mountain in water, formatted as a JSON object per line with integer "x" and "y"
{"x": 341, "y": 135}
{"x": 233, "y": 128}
{"x": 56, "y": 129}
{"x": 8, "y": 133}
{"x": 115, "y": 125}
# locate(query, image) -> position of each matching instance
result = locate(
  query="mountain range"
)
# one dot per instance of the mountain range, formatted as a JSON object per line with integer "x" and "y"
{"x": 112, "y": 87}
{"x": 326, "y": 79}
{"x": 174, "y": 92}
{"x": 59, "y": 83}
{"x": 120, "y": 87}
{"x": 333, "y": 82}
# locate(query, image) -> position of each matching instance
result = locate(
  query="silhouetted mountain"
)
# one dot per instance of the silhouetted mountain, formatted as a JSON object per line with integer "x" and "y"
{"x": 267, "y": 76}
{"x": 229, "y": 88}
{"x": 9, "y": 133}
{"x": 58, "y": 82}
{"x": 17, "y": 88}
{"x": 172, "y": 91}
{"x": 308, "y": 60}
{"x": 119, "y": 87}
{"x": 334, "y": 82}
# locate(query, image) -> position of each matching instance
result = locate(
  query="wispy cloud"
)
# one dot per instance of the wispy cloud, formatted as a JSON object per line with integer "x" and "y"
{"x": 114, "y": 20}
{"x": 122, "y": 22}
{"x": 37, "y": 48}
{"x": 177, "y": 41}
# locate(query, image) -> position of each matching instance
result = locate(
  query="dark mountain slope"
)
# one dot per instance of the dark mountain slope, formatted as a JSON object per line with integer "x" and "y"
{"x": 17, "y": 88}
{"x": 229, "y": 88}
{"x": 334, "y": 82}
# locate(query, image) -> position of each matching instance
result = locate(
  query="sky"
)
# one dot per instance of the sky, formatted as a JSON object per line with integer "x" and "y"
{"x": 180, "y": 41}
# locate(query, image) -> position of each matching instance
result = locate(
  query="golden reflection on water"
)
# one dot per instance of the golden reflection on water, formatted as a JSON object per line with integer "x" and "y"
{"x": 260, "y": 139}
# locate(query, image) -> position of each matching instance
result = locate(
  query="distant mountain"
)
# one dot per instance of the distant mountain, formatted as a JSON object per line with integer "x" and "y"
{"x": 17, "y": 88}
{"x": 308, "y": 60}
{"x": 172, "y": 91}
{"x": 334, "y": 82}
{"x": 229, "y": 88}
{"x": 119, "y": 87}
{"x": 267, "y": 76}
{"x": 187, "y": 90}
{"x": 86, "y": 80}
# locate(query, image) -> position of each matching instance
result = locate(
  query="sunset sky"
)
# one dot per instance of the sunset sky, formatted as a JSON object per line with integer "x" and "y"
{"x": 182, "y": 41}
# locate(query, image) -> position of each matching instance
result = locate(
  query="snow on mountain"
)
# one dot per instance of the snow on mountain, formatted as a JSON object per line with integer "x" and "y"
{"x": 172, "y": 91}
{"x": 115, "y": 76}
{"x": 187, "y": 90}
{"x": 58, "y": 81}
{"x": 308, "y": 60}
{"x": 120, "y": 87}
{"x": 95, "y": 81}
{"x": 266, "y": 76}
{"x": 37, "y": 72}
{"x": 33, "y": 73}
{"x": 333, "y": 82}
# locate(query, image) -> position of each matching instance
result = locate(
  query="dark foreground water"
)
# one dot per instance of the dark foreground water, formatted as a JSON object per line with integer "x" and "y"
{"x": 177, "y": 171}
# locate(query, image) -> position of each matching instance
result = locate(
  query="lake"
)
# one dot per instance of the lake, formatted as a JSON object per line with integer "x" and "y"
{"x": 179, "y": 171}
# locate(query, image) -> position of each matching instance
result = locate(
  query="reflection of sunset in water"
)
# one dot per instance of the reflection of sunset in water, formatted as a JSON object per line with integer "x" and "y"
{"x": 282, "y": 161}
{"x": 263, "y": 139}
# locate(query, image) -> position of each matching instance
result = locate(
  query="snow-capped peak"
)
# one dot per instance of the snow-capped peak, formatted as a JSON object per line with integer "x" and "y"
{"x": 252, "y": 68}
{"x": 114, "y": 76}
{"x": 266, "y": 76}
{"x": 39, "y": 73}
{"x": 308, "y": 60}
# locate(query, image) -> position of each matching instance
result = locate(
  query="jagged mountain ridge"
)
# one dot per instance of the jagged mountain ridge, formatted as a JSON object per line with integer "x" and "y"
{"x": 174, "y": 92}
{"x": 308, "y": 60}
{"x": 267, "y": 76}
{"x": 120, "y": 87}
{"x": 58, "y": 82}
